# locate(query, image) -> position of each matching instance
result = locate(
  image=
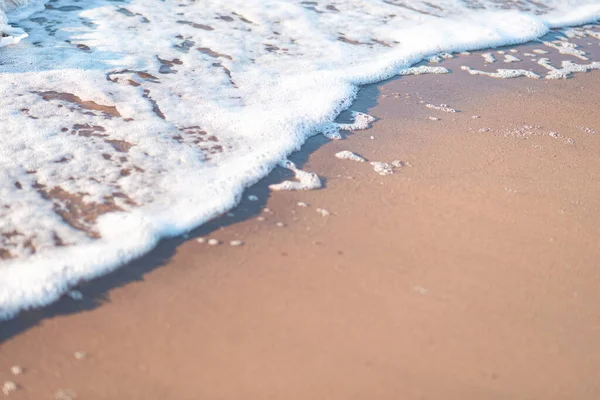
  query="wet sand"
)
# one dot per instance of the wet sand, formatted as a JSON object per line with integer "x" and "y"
{"x": 473, "y": 273}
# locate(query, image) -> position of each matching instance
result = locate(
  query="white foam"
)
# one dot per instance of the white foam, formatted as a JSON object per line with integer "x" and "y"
{"x": 331, "y": 130}
{"x": 585, "y": 129}
{"x": 567, "y": 68}
{"x": 12, "y": 11}
{"x": 438, "y": 58}
{"x": 382, "y": 168}
{"x": 400, "y": 164}
{"x": 323, "y": 212}
{"x": 488, "y": 57}
{"x": 8, "y": 387}
{"x": 305, "y": 180}
{"x": 502, "y": 73}
{"x": 567, "y": 48}
{"x": 424, "y": 69}
{"x": 434, "y": 59}
{"x": 441, "y": 107}
{"x": 348, "y": 155}
{"x": 573, "y": 33}
{"x": 594, "y": 34}
{"x": 511, "y": 59}
{"x": 361, "y": 122}
{"x": 127, "y": 122}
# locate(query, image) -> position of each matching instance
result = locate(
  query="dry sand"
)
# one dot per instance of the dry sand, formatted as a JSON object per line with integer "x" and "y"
{"x": 472, "y": 274}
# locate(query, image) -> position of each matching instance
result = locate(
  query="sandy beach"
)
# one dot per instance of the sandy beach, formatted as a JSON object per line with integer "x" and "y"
{"x": 471, "y": 272}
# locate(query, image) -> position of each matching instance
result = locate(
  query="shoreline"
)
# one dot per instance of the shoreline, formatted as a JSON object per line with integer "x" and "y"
{"x": 73, "y": 274}
{"x": 427, "y": 275}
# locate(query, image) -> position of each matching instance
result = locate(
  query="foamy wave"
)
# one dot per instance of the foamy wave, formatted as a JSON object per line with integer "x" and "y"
{"x": 123, "y": 123}
{"x": 14, "y": 11}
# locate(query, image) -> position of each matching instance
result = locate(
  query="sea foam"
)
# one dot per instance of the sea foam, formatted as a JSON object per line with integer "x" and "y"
{"x": 14, "y": 11}
{"x": 126, "y": 122}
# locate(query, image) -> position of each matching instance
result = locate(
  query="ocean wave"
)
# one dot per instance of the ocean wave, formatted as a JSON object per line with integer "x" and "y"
{"x": 14, "y": 11}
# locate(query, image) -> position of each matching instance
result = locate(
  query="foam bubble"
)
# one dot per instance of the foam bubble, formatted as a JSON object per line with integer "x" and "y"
{"x": 567, "y": 68}
{"x": 361, "y": 122}
{"x": 323, "y": 212}
{"x": 511, "y": 59}
{"x": 441, "y": 107}
{"x": 503, "y": 73}
{"x": 488, "y": 57}
{"x": 567, "y": 48}
{"x": 8, "y": 387}
{"x": 400, "y": 164}
{"x": 382, "y": 168}
{"x": 424, "y": 69}
{"x": 348, "y": 155}
{"x": 305, "y": 180}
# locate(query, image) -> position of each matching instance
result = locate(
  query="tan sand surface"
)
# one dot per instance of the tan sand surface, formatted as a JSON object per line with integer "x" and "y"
{"x": 474, "y": 273}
